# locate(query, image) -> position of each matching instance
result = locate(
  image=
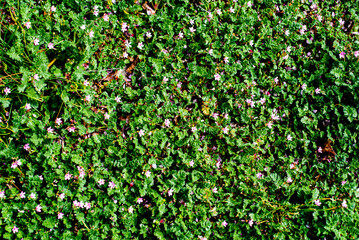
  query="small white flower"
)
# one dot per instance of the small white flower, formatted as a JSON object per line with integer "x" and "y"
{"x": 130, "y": 209}
{"x": 217, "y": 77}
{"x": 28, "y": 25}
{"x": 148, "y": 174}
{"x": 53, "y": 9}
{"x": 83, "y": 27}
{"x": 289, "y": 137}
{"x": 141, "y": 133}
{"x": 27, "y": 106}
{"x": 140, "y": 45}
{"x": 148, "y": 34}
{"x": 118, "y": 99}
{"x": 36, "y": 41}
{"x": 91, "y": 34}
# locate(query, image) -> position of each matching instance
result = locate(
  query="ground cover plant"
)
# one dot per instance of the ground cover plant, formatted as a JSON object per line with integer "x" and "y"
{"x": 179, "y": 119}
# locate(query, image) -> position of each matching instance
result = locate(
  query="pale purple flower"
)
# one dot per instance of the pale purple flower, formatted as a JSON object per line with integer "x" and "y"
{"x": 317, "y": 202}
{"x": 140, "y": 45}
{"x": 148, "y": 174}
{"x": 106, "y": 17}
{"x": 71, "y": 129}
{"x": 180, "y": 35}
{"x": 118, "y": 99}
{"x": 210, "y": 51}
{"x": 225, "y": 130}
{"x": 41, "y": 177}
{"x": 344, "y": 182}
{"x": 317, "y": 91}
{"x": 107, "y": 116}
{"x": 7, "y": 91}
{"x": 170, "y": 192}
{"x": 141, "y": 133}
{"x": 60, "y": 215}
{"x": 91, "y": 34}
{"x": 36, "y": 41}
{"x": 224, "y": 223}
{"x": 215, "y": 190}
{"x": 2, "y": 194}
{"x": 38, "y": 208}
{"x": 148, "y": 34}
{"x": 50, "y": 46}
{"x": 22, "y": 195}
{"x": 95, "y": 13}
{"x": 259, "y": 175}
{"x": 320, "y": 150}
{"x": 217, "y": 77}
{"x": 53, "y": 9}
{"x": 231, "y": 10}
{"x": 192, "y": 29}
{"x": 139, "y": 200}
{"x": 101, "y": 182}
{"x": 344, "y": 204}
{"x": 36, "y": 77}
{"x": 112, "y": 185}
{"x": 68, "y": 176}
{"x": 304, "y": 86}
{"x": 289, "y": 137}
{"x": 194, "y": 129}
{"x": 226, "y": 60}
{"x": 191, "y": 163}
{"x": 28, "y": 25}
{"x": 15, "y": 229}
{"x": 356, "y": 53}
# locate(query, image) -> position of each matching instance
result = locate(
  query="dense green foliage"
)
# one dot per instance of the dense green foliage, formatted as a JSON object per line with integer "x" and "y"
{"x": 235, "y": 119}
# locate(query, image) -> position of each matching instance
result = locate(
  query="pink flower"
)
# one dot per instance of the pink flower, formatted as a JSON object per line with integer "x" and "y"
{"x": 91, "y": 34}
{"x": 139, "y": 200}
{"x": 22, "y": 195}
{"x": 68, "y": 176}
{"x": 130, "y": 209}
{"x": 50, "y": 46}
{"x": 226, "y": 60}
{"x": 62, "y": 196}
{"x": 344, "y": 204}
{"x": 95, "y": 13}
{"x": 191, "y": 163}
{"x": 15, "y": 229}
{"x": 71, "y": 129}
{"x": 170, "y": 192}
{"x": 28, "y": 25}
{"x": 344, "y": 182}
{"x": 27, "y": 147}
{"x": 342, "y": 55}
{"x": 320, "y": 150}
{"x": 106, "y": 17}
{"x": 81, "y": 204}
{"x": 2, "y": 194}
{"x": 140, "y": 45}
{"x": 225, "y": 130}
{"x": 167, "y": 123}
{"x": 148, "y": 174}
{"x": 36, "y": 41}
{"x": 7, "y": 91}
{"x": 259, "y": 175}
{"x": 165, "y": 79}
{"x": 192, "y": 29}
{"x": 53, "y": 9}
{"x": 36, "y": 77}
{"x": 194, "y": 129}
{"x": 217, "y": 77}
{"x": 14, "y": 165}
{"x": 38, "y": 208}
{"x": 356, "y": 53}
{"x": 107, "y": 116}
{"x": 180, "y": 35}
{"x": 27, "y": 106}
{"x": 112, "y": 185}
{"x": 317, "y": 202}
{"x": 289, "y": 180}
{"x": 118, "y": 99}
{"x": 87, "y": 205}
{"x": 231, "y": 10}
{"x": 292, "y": 166}
{"x": 124, "y": 27}
{"x": 289, "y": 137}
{"x": 215, "y": 190}
{"x": 50, "y": 130}
{"x": 317, "y": 90}
{"x": 101, "y": 182}
{"x": 262, "y": 101}
{"x": 250, "y": 222}
{"x": 224, "y": 223}
{"x": 58, "y": 121}
{"x": 60, "y": 215}
{"x": 219, "y": 11}
{"x": 210, "y": 52}
{"x": 32, "y": 195}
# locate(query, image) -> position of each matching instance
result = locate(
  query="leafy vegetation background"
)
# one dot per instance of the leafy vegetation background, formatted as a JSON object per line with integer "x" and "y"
{"x": 235, "y": 119}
